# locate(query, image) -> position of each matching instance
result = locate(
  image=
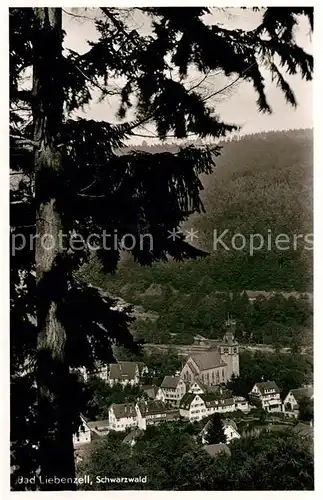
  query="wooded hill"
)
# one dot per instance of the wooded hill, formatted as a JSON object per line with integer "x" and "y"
{"x": 261, "y": 182}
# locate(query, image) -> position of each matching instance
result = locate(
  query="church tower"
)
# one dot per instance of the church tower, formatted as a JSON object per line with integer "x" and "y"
{"x": 229, "y": 350}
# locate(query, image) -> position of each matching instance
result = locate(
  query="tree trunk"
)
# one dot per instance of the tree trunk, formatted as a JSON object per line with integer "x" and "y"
{"x": 52, "y": 372}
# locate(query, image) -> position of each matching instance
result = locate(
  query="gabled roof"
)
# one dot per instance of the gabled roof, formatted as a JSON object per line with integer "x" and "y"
{"x": 123, "y": 370}
{"x": 123, "y": 410}
{"x": 230, "y": 422}
{"x": 170, "y": 382}
{"x": 150, "y": 390}
{"x": 187, "y": 399}
{"x": 208, "y": 359}
{"x": 213, "y": 400}
{"x": 270, "y": 385}
{"x": 216, "y": 393}
{"x": 302, "y": 392}
{"x": 217, "y": 449}
{"x": 213, "y": 403}
{"x": 152, "y": 407}
{"x": 225, "y": 422}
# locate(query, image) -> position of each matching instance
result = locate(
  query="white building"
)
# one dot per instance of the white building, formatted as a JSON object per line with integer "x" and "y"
{"x": 83, "y": 434}
{"x": 172, "y": 390}
{"x": 122, "y": 372}
{"x": 154, "y": 413}
{"x": 266, "y": 395}
{"x": 229, "y": 428}
{"x": 126, "y": 372}
{"x": 197, "y": 406}
{"x": 293, "y": 398}
{"x": 122, "y": 416}
{"x": 192, "y": 407}
{"x": 241, "y": 403}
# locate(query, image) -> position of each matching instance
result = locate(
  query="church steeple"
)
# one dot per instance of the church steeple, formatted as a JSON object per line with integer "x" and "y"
{"x": 229, "y": 349}
{"x": 230, "y": 331}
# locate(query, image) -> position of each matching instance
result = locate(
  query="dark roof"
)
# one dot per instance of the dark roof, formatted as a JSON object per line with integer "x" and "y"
{"x": 208, "y": 359}
{"x": 186, "y": 400}
{"x": 217, "y": 449}
{"x": 218, "y": 399}
{"x": 123, "y": 370}
{"x": 262, "y": 386}
{"x": 302, "y": 392}
{"x": 150, "y": 390}
{"x": 152, "y": 407}
{"x": 124, "y": 410}
{"x": 216, "y": 393}
{"x": 304, "y": 430}
{"x": 170, "y": 382}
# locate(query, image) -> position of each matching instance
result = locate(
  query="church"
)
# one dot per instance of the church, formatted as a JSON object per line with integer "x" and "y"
{"x": 217, "y": 365}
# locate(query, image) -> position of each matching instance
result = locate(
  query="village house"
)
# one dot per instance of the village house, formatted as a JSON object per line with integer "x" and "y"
{"x": 172, "y": 390}
{"x": 150, "y": 390}
{"x": 198, "y": 406}
{"x": 154, "y": 413}
{"x": 126, "y": 373}
{"x": 122, "y": 372}
{"x": 217, "y": 365}
{"x": 293, "y": 398}
{"x": 241, "y": 403}
{"x": 83, "y": 434}
{"x": 90, "y": 430}
{"x": 192, "y": 407}
{"x": 267, "y": 396}
{"x": 220, "y": 402}
{"x": 229, "y": 428}
{"x": 122, "y": 416}
{"x": 100, "y": 370}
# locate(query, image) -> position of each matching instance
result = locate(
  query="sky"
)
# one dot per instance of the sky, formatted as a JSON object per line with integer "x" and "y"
{"x": 239, "y": 106}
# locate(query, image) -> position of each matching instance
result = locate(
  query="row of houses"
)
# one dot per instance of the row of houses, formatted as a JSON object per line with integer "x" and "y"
{"x": 267, "y": 395}
{"x": 175, "y": 391}
{"x": 126, "y": 416}
{"x": 195, "y": 404}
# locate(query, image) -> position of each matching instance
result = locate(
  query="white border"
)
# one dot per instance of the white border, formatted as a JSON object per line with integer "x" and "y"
{"x": 4, "y": 254}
